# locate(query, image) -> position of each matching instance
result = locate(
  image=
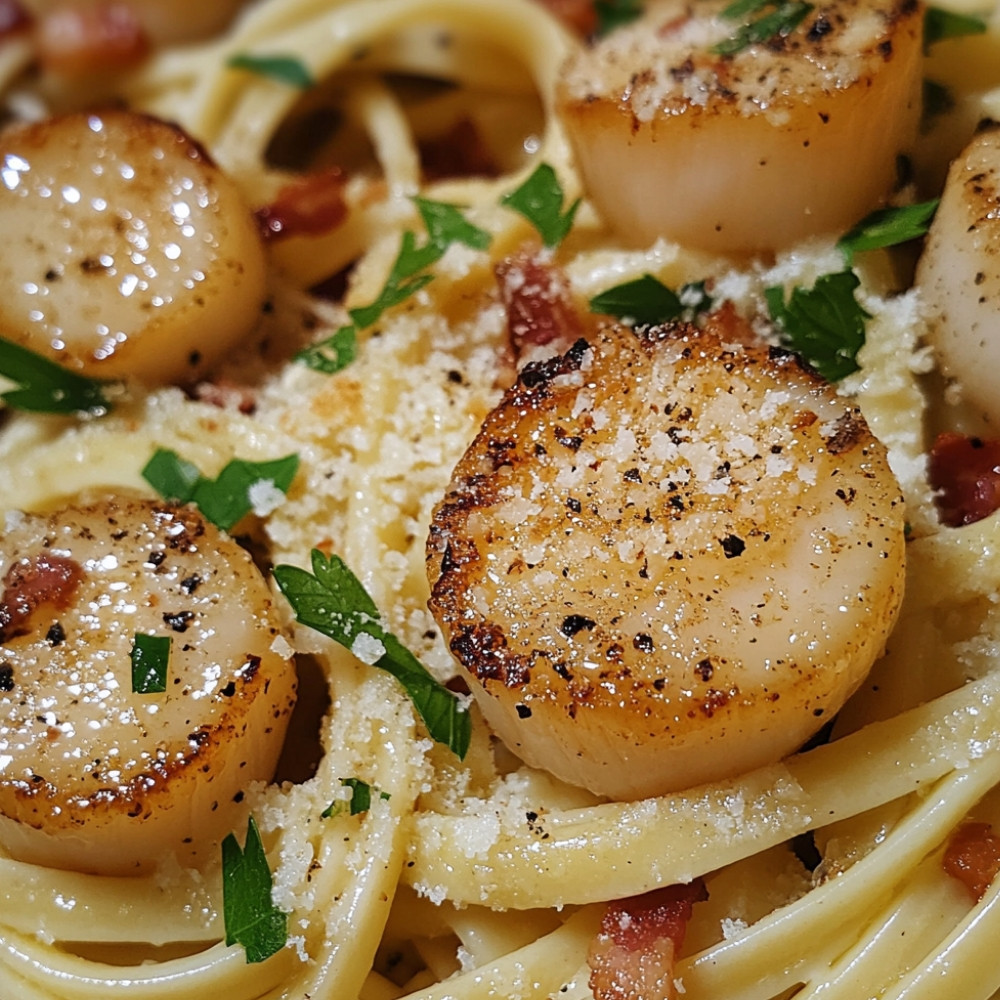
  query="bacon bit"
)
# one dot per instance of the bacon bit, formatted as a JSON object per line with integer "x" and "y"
{"x": 965, "y": 473}
{"x": 632, "y": 957}
{"x": 539, "y": 304}
{"x": 460, "y": 152}
{"x": 13, "y": 18}
{"x": 30, "y": 583}
{"x": 578, "y": 15}
{"x": 87, "y": 39}
{"x": 311, "y": 205}
{"x": 973, "y": 857}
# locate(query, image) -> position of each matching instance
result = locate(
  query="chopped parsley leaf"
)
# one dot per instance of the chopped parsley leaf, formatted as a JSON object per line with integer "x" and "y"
{"x": 360, "y": 801}
{"x": 43, "y": 386}
{"x": 333, "y": 354}
{"x": 445, "y": 225}
{"x": 333, "y": 601}
{"x": 613, "y": 14}
{"x": 888, "y": 227}
{"x": 646, "y": 301}
{"x": 941, "y": 24}
{"x": 540, "y": 200}
{"x": 825, "y": 323}
{"x": 251, "y": 918}
{"x": 229, "y": 497}
{"x": 286, "y": 69}
{"x": 150, "y": 657}
{"x": 758, "y": 24}
{"x": 937, "y": 100}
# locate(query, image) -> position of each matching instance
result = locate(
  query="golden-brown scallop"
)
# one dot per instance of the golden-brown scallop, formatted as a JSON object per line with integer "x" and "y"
{"x": 127, "y": 252}
{"x": 794, "y": 136}
{"x": 666, "y": 560}
{"x": 95, "y": 775}
{"x": 959, "y": 278}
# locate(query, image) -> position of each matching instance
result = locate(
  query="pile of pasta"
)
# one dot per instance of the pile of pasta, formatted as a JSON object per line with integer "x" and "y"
{"x": 483, "y": 877}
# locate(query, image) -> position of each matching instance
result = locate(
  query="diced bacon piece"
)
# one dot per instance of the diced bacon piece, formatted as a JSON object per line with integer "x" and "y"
{"x": 633, "y": 955}
{"x": 973, "y": 857}
{"x": 311, "y": 205}
{"x": 86, "y": 39}
{"x": 13, "y": 18}
{"x": 578, "y": 15}
{"x": 965, "y": 472}
{"x": 539, "y": 304}
{"x": 28, "y": 584}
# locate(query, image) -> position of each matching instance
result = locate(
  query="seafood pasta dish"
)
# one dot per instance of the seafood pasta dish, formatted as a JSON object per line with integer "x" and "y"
{"x": 499, "y": 499}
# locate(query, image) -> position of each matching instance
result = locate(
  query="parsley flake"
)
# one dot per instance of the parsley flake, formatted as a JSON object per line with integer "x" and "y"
{"x": 333, "y": 354}
{"x": 941, "y": 24}
{"x": 286, "y": 69}
{"x": 888, "y": 227}
{"x": 226, "y": 499}
{"x": 825, "y": 323}
{"x": 43, "y": 386}
{"x": 760, "y": 24}
{"x": 646, "y": 301}
{"x": 612, "y": 14}
{"x": 937, "y": 100}
{"x": 251, "y": 918}
{"x": 150, "y": 656}
{"x": 360, "y": 801}
{"x": 540, "y": 200}
{"x": 445, "y": 225}
{"x": 333, "y": 601}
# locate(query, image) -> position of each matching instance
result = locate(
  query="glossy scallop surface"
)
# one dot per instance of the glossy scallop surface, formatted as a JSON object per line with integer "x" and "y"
{"x": 128, "y": 253}
{"x": 666, "y": 560}
{"x": 99, "y": 770}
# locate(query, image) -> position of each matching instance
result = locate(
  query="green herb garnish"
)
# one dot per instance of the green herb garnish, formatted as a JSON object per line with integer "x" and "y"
{"x": 646, "y": 301}
{"x": 613, "y": 14}
{"x": 888, "y": 227}
{"x": 825, "y": 323}
{"x": 445, "y": 225}
{"x": 332, "y": 601}
{"x": 360, "y": 801}
{"x": 251, "y": 918}
{"x": 940, "y": 24}
{"x": 240, "y": 487}
{"x": 43, "y": 386}
{"x": 286, "y": 69}
{"x": 150, "y": 656}
{"x": 937, "y": 100}
{"x": 333, "y": 354}
{"x": 407, "y": 276}
{"x": 760, "y": 21}
{"x": 540, "y": 200}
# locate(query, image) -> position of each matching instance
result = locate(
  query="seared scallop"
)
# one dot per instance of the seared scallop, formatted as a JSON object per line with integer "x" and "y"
{"x": 687, "y": 126}
{"x": 959, "y": 278}
{"x": 143, "y": 686}
{"x": 128, "y": 253}
{"x": 666, "y": 560}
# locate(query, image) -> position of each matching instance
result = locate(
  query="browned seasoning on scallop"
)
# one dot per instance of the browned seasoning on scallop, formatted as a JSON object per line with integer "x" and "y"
{"x": 94, "y": 775}
{"x": 748, "y": 150}
{"x": 646, "y": 565}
